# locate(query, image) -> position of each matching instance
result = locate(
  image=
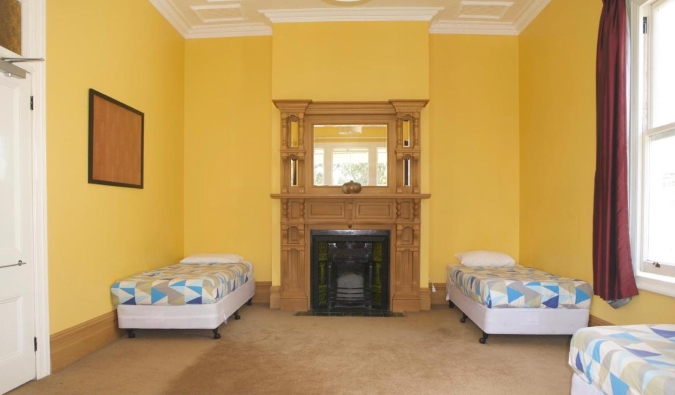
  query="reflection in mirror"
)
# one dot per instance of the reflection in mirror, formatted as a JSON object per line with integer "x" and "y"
{"x": 344, "y": 153}
{"x": 406, "y": 133}
{"x": 294, "y": 172}
{"x": 294, "y": 133}
{"x": 406, "y": 173}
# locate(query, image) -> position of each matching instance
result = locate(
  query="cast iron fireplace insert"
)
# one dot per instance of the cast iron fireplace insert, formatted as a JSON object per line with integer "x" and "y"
{"x": 349, "y": 270}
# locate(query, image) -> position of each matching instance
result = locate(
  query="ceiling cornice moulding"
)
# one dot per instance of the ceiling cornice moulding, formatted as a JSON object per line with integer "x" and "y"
{"x": 171, "y": 15}
{"x": 215, "y": 31}
{"x": 529, "y": 14}
{"x": 259, "y": 22}
{"x": 355, "y": 14}
{"x": 471, "y": 27}
{"x": 239, "y": 30}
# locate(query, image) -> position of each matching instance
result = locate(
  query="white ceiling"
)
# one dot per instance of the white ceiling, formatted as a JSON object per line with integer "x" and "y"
{"x": 228, "y": 18}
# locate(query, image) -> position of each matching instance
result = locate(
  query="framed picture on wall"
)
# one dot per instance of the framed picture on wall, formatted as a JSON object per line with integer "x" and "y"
{"x": 115, "y": 142}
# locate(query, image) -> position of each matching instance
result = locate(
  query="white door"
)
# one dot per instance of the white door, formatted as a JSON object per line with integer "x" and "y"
{"x": 17, "y": 307}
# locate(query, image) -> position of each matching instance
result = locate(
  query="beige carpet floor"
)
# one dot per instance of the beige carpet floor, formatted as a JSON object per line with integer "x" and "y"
{"x": 275, "y": 352}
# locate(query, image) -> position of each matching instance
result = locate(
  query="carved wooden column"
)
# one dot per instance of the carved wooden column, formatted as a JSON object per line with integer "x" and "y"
{"x": 293, "y": 287}
{"x": 406, "y": 289}
{"x": 408, "y": 150}
{"x": 293, "y": 280}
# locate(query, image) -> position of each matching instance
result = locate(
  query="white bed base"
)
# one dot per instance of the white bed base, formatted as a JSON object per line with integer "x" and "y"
{"x": 191, "y": 316}
{"x": 518, "y": 321}
{"x": 581, "y": 387}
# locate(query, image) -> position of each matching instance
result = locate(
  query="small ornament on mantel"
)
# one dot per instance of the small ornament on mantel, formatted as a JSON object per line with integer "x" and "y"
{"x": 351, "y": 187}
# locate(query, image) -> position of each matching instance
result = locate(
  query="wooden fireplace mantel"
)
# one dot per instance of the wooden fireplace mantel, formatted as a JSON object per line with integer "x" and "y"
{"x": 352, "y": 196}
{"x": 305, "y": 207}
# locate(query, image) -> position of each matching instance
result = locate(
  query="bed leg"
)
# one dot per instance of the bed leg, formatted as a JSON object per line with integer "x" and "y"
{"x": 483, "y": 339}
{"x": 450, "y": 304}
{"x": 236, "y": 315}
{"x": 250, "y": 302}
{"x": 463, "y": 319}
{"x": 216, "y": 335}
{"x": 130, "y": 333}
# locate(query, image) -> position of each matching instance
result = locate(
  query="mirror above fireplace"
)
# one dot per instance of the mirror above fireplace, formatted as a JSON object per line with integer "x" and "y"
{"x": 325, "y": 144}
{"x": 344, "y": 153}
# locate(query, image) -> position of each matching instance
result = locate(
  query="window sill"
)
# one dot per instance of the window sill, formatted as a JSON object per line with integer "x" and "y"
{"x": 654, "y": 283}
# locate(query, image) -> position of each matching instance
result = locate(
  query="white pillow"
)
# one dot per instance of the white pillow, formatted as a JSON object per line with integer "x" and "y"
{"x": 212, "y": 258}
{"x": 485, "y": 258}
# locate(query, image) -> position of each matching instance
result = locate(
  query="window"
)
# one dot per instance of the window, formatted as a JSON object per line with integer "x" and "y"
{"x": 350, "y": 164}
{"x": 382, "y": 167}
{"x": 318, "y": 167}
{"x": 346, "y": 152}
{"x": 336, "y": 163}
{"x": 652, "y": 145}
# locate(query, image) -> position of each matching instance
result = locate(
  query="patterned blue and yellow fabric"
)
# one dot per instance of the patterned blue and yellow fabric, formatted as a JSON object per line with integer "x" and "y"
{"x": 177, "y": 285}
{"x": 505, "y": 287}
{"x": 631, "y": 359}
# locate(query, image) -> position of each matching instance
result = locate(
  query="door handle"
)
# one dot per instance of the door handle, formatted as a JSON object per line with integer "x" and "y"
{"x": 16, "y": 264}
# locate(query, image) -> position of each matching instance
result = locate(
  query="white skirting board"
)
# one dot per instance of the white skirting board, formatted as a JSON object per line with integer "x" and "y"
{"x": 518, "y": 321}
{"x": 581, "y": 387}
{"x": 193, "y": 316}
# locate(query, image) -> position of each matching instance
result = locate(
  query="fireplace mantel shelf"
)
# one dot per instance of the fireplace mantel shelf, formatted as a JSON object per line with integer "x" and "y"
{"x": 351, "y": 196}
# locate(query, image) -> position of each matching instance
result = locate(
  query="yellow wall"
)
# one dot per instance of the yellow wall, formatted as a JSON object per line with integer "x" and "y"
{"x": 97, "y": 233}
{"x": 557, "y": 143}
{"x": 351, "y": 61}
{"x": 474, "y": 149}
{"x": 328, "y": 62}
{"x": 375, "y": 61}
{"x": 228, "y": 118}
{"x": 509, "y": 133}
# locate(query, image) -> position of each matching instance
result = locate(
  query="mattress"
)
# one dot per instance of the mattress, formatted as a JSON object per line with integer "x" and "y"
{"x": 632, "y": 359}
{"x": 178, "y": 285}
{"x": 520, "y": 287}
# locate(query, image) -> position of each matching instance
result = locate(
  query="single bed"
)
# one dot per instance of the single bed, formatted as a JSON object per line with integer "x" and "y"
{"x": 183, "y": 296}
{"x": 631, "y": 359}
{"x": 518, "y": 300}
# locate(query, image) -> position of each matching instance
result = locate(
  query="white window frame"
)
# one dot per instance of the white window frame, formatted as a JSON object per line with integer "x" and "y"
{"x": 639, "y": 89}
{"x": 328, "y": 149}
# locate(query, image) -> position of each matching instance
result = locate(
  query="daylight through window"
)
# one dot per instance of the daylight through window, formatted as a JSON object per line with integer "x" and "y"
{"x": 653, "y": 146}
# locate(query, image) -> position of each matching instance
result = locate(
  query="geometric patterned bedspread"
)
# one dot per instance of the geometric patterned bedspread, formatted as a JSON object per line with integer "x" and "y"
{"x": 631, "y": 359}
{"x": 520, "y": 287}
{"x": 181, "y": 284}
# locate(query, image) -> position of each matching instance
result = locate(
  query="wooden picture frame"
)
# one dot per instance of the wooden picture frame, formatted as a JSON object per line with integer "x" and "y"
{"x": 115, "y": 142}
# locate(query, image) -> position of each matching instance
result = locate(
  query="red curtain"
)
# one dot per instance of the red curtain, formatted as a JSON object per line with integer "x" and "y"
{"x": 613, "y": 277}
